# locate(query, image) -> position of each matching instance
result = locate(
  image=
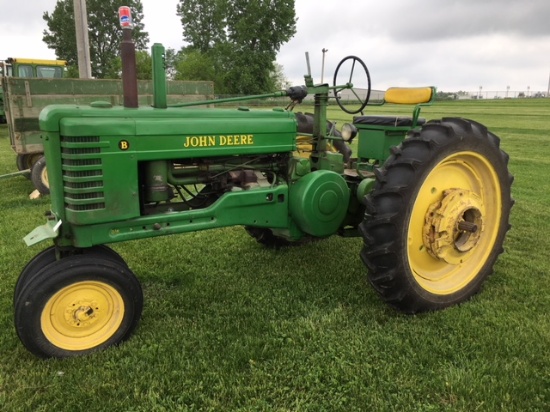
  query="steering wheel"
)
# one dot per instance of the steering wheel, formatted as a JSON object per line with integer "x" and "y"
{"x": 359, "y": 93}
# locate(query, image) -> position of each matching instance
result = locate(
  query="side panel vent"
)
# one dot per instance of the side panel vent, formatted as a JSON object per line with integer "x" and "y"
{"x": 82, "y": 173}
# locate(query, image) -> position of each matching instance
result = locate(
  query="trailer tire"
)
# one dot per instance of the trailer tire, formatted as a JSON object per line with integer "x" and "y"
{"x": 39, "y": 176}
{"x": 437, "y": 217}
{"x": 78, "y": 305}
{"x": 27, "y": 161}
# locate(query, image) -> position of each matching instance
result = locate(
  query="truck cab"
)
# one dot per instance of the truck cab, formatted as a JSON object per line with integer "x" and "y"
{"x": 35, "y": 68}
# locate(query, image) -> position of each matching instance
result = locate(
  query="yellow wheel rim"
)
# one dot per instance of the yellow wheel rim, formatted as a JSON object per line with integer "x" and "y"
{"x": 82, "y": 315}
{"x": 454, "y": 223}
{"x": 44, "y": 178}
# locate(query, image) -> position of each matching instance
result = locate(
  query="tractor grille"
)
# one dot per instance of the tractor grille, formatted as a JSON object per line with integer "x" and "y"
{"x": 82, "y": 170}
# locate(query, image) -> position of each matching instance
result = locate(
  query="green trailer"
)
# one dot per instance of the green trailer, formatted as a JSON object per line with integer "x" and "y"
{"x": 28, "y": 68}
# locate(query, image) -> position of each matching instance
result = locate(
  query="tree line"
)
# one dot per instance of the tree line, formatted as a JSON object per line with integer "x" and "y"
{"x": 233, "y": 43}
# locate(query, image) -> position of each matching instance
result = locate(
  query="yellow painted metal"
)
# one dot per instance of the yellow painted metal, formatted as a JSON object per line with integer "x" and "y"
{"x": 44, "y": 177}
{"x": 304, "y": 146}
{"x": 38, "y": 61}
{"x": 409, "y": 95}
{"x": 442, "y": 232}
{"x": 462, "y": 187}
{"x": 82, "y": 315}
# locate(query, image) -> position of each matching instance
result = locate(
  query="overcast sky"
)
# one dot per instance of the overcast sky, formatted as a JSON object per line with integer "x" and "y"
{"x": 452, "y": 44}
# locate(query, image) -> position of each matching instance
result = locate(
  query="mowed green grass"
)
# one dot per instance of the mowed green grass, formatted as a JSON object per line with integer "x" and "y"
{"x": 230, "y": 326}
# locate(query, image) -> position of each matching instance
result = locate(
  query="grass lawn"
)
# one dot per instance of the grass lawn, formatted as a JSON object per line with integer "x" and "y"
{"x": 229, "y": 325}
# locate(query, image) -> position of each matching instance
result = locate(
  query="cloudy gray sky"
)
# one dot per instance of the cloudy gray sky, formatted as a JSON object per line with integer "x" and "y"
{"x": 452, "y": 44}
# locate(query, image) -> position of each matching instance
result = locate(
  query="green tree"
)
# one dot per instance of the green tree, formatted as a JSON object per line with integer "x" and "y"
{"x": 170, "y": 60}
{"x": 203, "y": 22}
{"x": 144, "y": 65}
{"x": 193, "y": 65}
{"x": 103, "y": 31}
{"x": 239, "y": 39}
{"x": 279, "y": 78}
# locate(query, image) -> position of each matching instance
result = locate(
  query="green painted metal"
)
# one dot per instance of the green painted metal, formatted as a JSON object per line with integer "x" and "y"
{"x": 98, "y": 154}
{"x": 375, "y": 141}
{"x": 377, "y": 134}
{"x": 159, "y": 79}
{"x": 364, "y": 187}
{"x": 261, "y": 208}
{"x": 319, "y": 201}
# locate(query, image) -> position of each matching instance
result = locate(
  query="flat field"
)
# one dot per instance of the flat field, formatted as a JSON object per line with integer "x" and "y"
{"x": 231, "y": 326}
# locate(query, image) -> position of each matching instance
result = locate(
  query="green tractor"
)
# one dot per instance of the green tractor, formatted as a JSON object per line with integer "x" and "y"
{"x": 430, "y": 200}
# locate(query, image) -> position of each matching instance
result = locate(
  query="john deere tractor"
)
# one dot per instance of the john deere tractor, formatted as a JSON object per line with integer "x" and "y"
{"x": 430, "y": 200}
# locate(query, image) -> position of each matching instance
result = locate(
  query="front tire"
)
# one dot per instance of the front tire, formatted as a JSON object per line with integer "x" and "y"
{"x": 437, "y": 217}
{"x": 267, "y": 238}
{"x": 48, "y": 256}
{"x": 78, "y": 305}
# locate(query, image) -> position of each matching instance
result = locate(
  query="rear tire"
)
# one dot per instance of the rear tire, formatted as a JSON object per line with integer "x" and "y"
{"x": 78, "y": 305}
{"x": 437, "y": 217}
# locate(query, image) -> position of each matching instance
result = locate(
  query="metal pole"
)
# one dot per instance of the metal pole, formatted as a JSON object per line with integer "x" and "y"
{"x": 82, "y": 41}
{"x": 323, "y": 66}
{"x": 159, "y": 76}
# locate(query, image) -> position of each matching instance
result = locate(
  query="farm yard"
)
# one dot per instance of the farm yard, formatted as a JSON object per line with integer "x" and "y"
{"x": 230, "y": 325}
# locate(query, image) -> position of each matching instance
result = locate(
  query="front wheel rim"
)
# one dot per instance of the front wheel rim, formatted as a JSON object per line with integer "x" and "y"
{"x": 82, "y": 315}
{"x": 463, "y": 187}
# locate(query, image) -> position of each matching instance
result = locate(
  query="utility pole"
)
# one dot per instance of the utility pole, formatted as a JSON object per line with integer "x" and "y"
{"x": 82, "y": 42}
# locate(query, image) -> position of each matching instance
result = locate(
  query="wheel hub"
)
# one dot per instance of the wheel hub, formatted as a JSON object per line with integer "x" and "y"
{"x": 81, "y": 314}
{"x": 453, "y": 225}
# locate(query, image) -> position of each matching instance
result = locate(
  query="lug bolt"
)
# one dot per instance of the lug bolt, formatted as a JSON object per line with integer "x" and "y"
{"x": 467, "y": 226}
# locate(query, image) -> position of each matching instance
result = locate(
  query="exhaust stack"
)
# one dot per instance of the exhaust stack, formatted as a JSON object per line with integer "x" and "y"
{"x": 128, "y": 56}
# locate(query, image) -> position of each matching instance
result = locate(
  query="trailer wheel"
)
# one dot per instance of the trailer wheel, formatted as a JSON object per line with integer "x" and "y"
{"x": 39, "y": 176}
{"x": 437, "y": 217}
{"x": 27, "y": 161}
{"x": 48, "y": 256}
{"x": 78, "y": 305}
